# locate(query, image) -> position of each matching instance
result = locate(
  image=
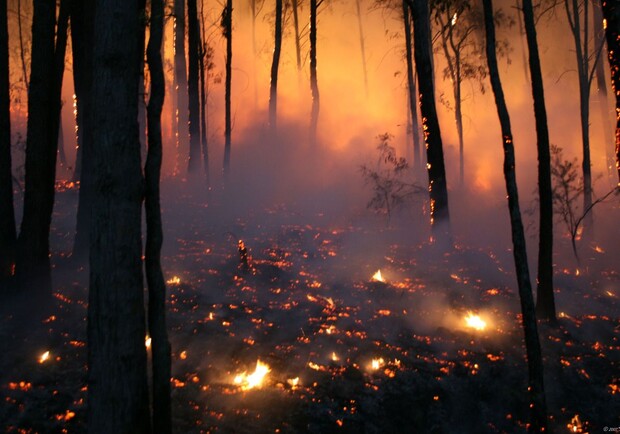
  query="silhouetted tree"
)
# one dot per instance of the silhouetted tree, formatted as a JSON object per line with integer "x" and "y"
{"x": 314, "y": 84}
{"x": 180, "y": 76}
{"x": 59, "y": 66}
{"x": 295, "y": 6}
{"x": 411, "y": 87}
{"x": 226, "y": 23}
{"x": 7, "y": 212}
{"x": 611, "y": 12}
{"x": 206, "y": 65}
{"x": 545, "y": 302}
{"x": 437, "y": 184}
{"x": 358, "y": 12}
{"x": 532, "y": 343}
{"x": 154, "y": 235}
{"x": 33, "y": 242}
{"x": 275, "y": 64}
{"x": 193, "y": 31}
{"x": 117, "y": 381}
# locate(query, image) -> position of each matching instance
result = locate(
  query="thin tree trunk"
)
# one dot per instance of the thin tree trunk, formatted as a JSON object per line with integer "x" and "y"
{"x": 528, "y": 310}
{"x": 204, "y": 72}
{"x": 275, "y": 64}
{"x": 154, "y": 234}
{"x": 41, "y": 138}
{"x": 314, "y": 85}
{"x": 362, "y": 44}
{"x": 296, "y": 25}
{"x": 545, "y": 302}
{"x": 601, "y": 83}
{"x": 411, "y": 87}
{"x": 193, "y": 28}
{"x": 21, "y": 44}
{"x": 62, "y": 156}
{"x": 59, "y": 62}
{"x": 437, "y": 187}
{"x": 117, "y": 381}
{"x": 82, "y": 19}
{"x": 8, "y": 235}
{"x": 458, "y": 116}
{"x": 227, "y": 24}
{"x": 180, "y": 74}
{"x": 611, "y": 12}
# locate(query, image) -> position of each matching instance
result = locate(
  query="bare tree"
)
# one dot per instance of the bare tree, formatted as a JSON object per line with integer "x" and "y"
{"x": 193, "y": 27}
{"x": 611, "y": 12}
{"x": 226, "y": 24}
{"x": 411, "y": 88}
{"x": 117, "y": 375}
{"x": 275, "y": 64}
{"x": 180, "y": 75}
{"x": 314, "y": 83}
{"x": 536, "y": 387}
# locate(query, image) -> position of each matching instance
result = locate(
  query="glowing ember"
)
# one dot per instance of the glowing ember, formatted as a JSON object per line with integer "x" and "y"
{"x": 475, "y": 322}
{"x": 44, "y": 357}
{"x": 377, "y": 363}
{"x": 377, "y": 277}
{"x": 293, "y": 382}
{"x": 575, "y": 425}
{"x": 334, "y": 357}
{"x": 147, "y": 341}
{"x": 174, "y": 280}
{"x": 255, "y": 379}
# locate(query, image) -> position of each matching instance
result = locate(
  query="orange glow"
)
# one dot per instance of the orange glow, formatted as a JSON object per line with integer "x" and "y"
{"x": 44, "y": 357}
{"x": 253, "y": 380}
{"x": 378, "y": 277}
{"x": 475, "y": 321}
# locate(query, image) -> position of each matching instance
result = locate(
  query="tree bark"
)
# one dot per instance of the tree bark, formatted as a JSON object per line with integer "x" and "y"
{"x": 295, "y": 4}
{"x": 154, "y": 234}
{"x": 8, "y": 235}
{"x": 180, "y": 75}
{"x": 545, "y": 302}
{"x": 528, "y": 310}
{"x": 41, "y": 139}
{"x": 204, "y": 82}
{"x": 275, "y": 64}
{"x": 117, "y": 381}
{"x": 314, "y": 85}
{"x": 59, "y": 62}
{"x": 411, "y": 87}
{"x": 227, "y": 25}
{"x": 611, "y": 12}
{"x": 193, "y": 28}
{"x": 437, "y": 184}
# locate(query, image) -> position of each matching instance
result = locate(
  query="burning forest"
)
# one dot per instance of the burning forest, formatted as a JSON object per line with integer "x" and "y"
{"x": 237, "y": 241}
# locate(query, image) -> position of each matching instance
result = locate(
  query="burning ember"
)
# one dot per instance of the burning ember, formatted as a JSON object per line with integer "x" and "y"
{"x": 293, "y": 382}
{"x": 147, "y": 341}
{"x": 377, "y": 277}
{"x": 475, "y": 322}
{"x": 44, "y": 357}
{"x": 255, "y": 379}
{"x": 377, "y": 363}
{"x": 575, "y": 425}
{"x": 174, "y": 280}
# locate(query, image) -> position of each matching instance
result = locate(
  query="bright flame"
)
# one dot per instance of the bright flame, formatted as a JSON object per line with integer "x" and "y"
{"x": 174, "y": 280}
{"x": 475, "y": 322}
{"x": 147, "y": 341}
{"x": 453, "y": 22}
{"x": 255, "y": 379}
{"x": 575, "y": 424}
{"x": 293, "y": 382}
{"x": 44, "y": 357}
{"x": 334, "y": 356}
{"x": 377, "y": 277}
{"x": 377, "y": 363}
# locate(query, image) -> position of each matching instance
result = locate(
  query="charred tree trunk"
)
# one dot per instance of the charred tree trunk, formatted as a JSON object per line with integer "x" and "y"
{"x": 193, "y": 28}
{"x": 21, "y": 44}
{"x": 154, "y": 235}
{"x": 611, "y": 12}
{"x": 314, "y": 84}
{"x": 227, "y": 26}
{"x": 180, "y": 75}
{"x": 275, "y": 64}
{"x": 62, "y": 156}
{"x": 82, "y": 21}
{"x": 41, "y": 138}
{"x": 545, "y": 302}
{"x": 295, "y": 4}
{"x": 8, "y": 236}
{"x": 59, "y": 62}
{"x": 117, "y": 380}
{"x": 358, "y": 11}
{"x": 528, "y": 310}
{"x": 411, "y": 87}
{"x": 437, "y": 184}
{"x": 204, "y": 72}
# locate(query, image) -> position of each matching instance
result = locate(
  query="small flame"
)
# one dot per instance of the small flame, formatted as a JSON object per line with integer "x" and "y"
{"x": 174, "y": 280}
{"x": 377, "y": 277}
{"x": 334, "y": 356}
{"x": 255, "y": 379}
{"x": 454, "y": 17}
{"x": 575, "y": 424}
{"x": 474, "y": 321}
{"x": 293, "y": 382}
{"x": 44, "y": 357}
{"x": 147, "y": 341}
{"x": 377, "y": 363}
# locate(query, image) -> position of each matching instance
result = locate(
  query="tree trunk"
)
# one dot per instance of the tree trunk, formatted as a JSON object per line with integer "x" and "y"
{"x": 154, "y": 234}
{"x": 528, "y": 311}
{"x": 117, "y": 382}
{"x": 545, "y": 303}
{"x": 362, "y": 43}
{"x": 180, "y": 75}
{"x": 82, "y": 22}
{"x": 33, "y": 242}
{"x": 275, "y": 64}
{"x": 7, "y": 212}
{"x": 204, "y": 82}
{"x": 314, "y": 85}
{"x": 227, "y": 25}
{"x": 21, "y": 44}
{"x": 611, "y": 12}
{"x": 59, "y": 62}
{"x": 458, "y": 117}
{"x": 295, "y": 4}
{"x": 411, "y": 87}
{"x": 437, "y": 187}
{"x": 193, "y": 28}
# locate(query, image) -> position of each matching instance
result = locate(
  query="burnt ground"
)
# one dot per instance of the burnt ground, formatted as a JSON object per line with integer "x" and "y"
{"x": 308, "y": 308}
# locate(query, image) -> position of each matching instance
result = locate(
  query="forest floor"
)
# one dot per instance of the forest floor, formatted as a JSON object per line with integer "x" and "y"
{"x": 346, "y": 353}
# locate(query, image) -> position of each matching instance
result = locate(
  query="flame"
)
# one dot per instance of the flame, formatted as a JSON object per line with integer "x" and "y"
{"x": 44, "y": 357}
{"x": 377, "y": 277}
{"x": 293, "y": 382}
{"x": 575, "y": 424}
{"x": 377, "y": 363}
{"x": 334, "y": 356}
{"x": 255, "y": 379}
{"x": 454, "y": 17}
{"x": 474, "y": 321}
{"x": 147, "y": 341}
{"x": 174, "y": 280}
